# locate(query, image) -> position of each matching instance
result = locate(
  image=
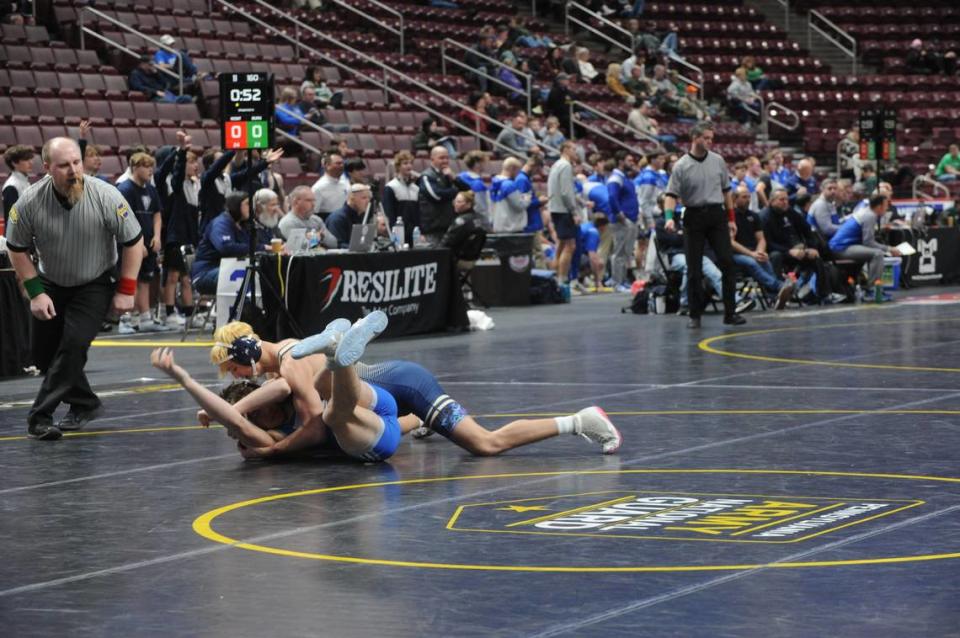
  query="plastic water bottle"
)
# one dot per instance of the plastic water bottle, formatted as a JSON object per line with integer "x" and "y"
{"x": 398, "y": 233}
{"x": 878, "y": 291}
{"x": 857, "y": 294}
{"x": 416, "y": 237}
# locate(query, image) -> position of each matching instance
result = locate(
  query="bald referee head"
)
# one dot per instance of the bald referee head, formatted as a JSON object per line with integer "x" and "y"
{"x": 62, "y": 161}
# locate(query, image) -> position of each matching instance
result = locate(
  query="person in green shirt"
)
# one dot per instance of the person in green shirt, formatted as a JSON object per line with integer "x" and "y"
{"x": 949, "y": 167}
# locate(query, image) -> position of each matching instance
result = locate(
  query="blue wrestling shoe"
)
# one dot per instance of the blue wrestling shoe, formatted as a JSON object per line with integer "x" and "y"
{"x": 354, "y": 341}
{"x": 325, "y": 342}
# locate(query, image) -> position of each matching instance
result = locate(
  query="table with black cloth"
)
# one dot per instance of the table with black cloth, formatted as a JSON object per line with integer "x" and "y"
{"x": 938, "y": 254}
{"x": 418, "y": 289}
{"x": 14, "y": 324}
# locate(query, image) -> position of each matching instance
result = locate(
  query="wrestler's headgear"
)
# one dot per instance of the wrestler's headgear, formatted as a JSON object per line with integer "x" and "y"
{"x": 244, "y": 350}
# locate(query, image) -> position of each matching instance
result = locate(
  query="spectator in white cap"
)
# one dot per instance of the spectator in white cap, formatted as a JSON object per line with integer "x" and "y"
{"x": 166, "y": 58}
{"x": 341, "y": 221}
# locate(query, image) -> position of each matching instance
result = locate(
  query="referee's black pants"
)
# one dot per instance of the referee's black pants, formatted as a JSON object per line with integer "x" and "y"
{"x": 60, "y": 345}
{"x": 708, "y": 224}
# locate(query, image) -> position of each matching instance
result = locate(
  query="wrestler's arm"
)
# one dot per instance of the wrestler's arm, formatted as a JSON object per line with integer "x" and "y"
{"x": 306, "y": 401}
{"x": 247, "y": 433}
{"x": 409, "y": 422}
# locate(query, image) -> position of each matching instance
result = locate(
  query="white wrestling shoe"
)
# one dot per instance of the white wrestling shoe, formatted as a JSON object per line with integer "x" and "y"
{"x": 354, "y": 341}
{"x": 592, "y": 424}
{"x": 325, "y": 342}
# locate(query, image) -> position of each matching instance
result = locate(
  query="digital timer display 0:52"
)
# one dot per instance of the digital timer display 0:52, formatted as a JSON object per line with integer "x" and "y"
{"x": 246, "y": 95}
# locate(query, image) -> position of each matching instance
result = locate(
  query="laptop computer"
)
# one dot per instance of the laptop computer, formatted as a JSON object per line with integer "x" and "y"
{"x": 362, "y": 237}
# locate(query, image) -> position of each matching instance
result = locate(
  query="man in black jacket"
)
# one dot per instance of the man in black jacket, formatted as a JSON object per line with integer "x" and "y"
{"x": 438, "y": 186}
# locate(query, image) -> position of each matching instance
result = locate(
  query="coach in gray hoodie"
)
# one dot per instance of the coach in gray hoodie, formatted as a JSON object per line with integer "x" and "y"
{"x": 563, "y": 204}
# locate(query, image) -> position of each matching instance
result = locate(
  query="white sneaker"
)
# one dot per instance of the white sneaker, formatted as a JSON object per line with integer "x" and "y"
{"x": 592, "y": 424}
{"x": 354, "y": 341}
{"x": 149, "y": 325}
{"x": 175, "y": 320}
{"x": 125, "y": 326}
{"x": 325, "y": 342}
{"x": 198, "y": 320}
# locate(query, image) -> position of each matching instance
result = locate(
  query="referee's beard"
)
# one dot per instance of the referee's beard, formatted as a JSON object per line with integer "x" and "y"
{"x": 73, "y": 189}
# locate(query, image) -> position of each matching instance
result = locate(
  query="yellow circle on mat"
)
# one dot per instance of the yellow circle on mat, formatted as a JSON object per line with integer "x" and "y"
{"x": 203, "y": 526}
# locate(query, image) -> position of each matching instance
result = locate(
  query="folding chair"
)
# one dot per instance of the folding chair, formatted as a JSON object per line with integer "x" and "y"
{"x": 467, "y": 254}
{"x": 189, "y": 256}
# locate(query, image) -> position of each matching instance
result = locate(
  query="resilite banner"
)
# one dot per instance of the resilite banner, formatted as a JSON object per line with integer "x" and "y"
{"x": 417, "y": 289}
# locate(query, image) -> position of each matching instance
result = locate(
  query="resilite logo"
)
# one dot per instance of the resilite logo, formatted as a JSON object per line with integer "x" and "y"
{"x": 675, "y": 516}
{"x": 380, "y": 286}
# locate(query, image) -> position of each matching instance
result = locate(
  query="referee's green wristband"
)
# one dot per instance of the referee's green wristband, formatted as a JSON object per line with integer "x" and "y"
{"x": 34, "y": 287}
{"x": 668, "y": 214}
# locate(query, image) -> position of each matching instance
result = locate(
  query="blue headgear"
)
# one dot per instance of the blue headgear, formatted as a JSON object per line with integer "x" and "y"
{"x": 244, "y": 350}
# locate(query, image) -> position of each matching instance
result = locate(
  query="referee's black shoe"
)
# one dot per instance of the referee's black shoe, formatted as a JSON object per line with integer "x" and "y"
{"x": 43, "y": 431}
{"x": 734, "y": 320}
{"x": 77, "y": 420}
{"x": 693, "y": 323}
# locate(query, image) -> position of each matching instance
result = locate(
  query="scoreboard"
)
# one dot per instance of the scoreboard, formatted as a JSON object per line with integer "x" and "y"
{"x": 246, "y": 110}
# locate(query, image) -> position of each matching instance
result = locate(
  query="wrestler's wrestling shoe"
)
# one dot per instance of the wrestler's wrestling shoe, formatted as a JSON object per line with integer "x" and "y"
{"x": 354, "y": 341}
{"x": 592, "y": 424}
{"x": 325, "y": 342}
{"x": 421, "y": 432}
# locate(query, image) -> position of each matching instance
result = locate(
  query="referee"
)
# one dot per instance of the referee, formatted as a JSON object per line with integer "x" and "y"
{"x": 700, "y": 180}
{"x": 74, "y": 226}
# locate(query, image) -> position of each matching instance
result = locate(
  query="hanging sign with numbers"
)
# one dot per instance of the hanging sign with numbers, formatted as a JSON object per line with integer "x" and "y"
{"x": 246, "y": 110}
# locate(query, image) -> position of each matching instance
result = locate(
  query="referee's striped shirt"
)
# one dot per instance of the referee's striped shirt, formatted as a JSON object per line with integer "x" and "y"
{"x": 78, "y": 244}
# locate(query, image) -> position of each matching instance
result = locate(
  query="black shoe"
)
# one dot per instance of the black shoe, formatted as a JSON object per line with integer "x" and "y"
{"x": 43, "y": 431}
{"x": 694, "y": 323}
{"x": 683, "y": 311}
{"x": 79, "y": 419}
{"x": 734, "y": 320}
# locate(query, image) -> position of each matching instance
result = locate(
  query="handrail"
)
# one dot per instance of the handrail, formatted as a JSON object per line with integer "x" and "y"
{"x": 693, "y": 67}
{"x": 380, "y": 23}
{"x": 567, "y": 19}
{"x": 575, "y": 106}
{"x": 131, "y": 52}
{"x": 837, "y": 31}
{"x": 296, "y": 140}
{"x": 771, "y": 115}
{"x": 283, "y": 34}
{"x": 786, "y": 13}
{"x": 443, "y": 63}
{"x": 760, "y": 112}
{"x": 924, "y": 179}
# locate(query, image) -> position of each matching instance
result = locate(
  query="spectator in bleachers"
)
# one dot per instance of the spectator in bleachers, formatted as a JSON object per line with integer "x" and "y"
{"x": 741, "y": 97}
{"x": 311, "y": 106}
{"x": 637, "y": 85}
{"x": 225, "y": 236}
{"x": 667, "y": 98}
{"x": 401, "y": 196}
{"x": 332, "y": 188}
{"x": 165, "y": 59}
{"x": 182, "y": 227}
{"x": 749, "y": 173}
{"x": 823, "y": 215}
{"x": 92, "y": 161}
{"x": 802, "y": 181}
{"x": 356, "y": 171}
{"x": 640, "y": 120}
{"x": 624, "y": 213}
{"x": 476, "y": 58}
{"x": 149, "y": 81}
{"x": 474, "y": 161}
{"x": 326, "y": 97}
{"x": 288, "y": 113}
{"x": 948, "y": 169}
{"x": 478, "y": 102}
{"x": 517, "y": 138}
{"x": 508, "y": 204}
{"x": 585, "y": 68}
{"x": 552, "y": 137}
{"x": 522, "y": 36}
{"x": 750, "y": 249}
{"x": 341, "y": 221}
{"x": 755, "y": 75}
{"x": 558, "y": 101}
{"x": 848, "y": 153}
{"x": 430, "y": 135}
{"x": 855, "y": 240}
{"x": 921, "y": 59}
{"x": 302, "y": 201}
{"x": 616, "y": 86}
{"x": 438, "y": 186}
{"x": 19, "y": 160}
{"x": 644, "y": 38}
{"x": 144, "y": 201}
{"x": 670, "y": 42}
{"x": 507, "y": 75}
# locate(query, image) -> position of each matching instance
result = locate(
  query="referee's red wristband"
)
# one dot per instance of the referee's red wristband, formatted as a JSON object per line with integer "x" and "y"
{"x": 731, "y": 215}
{"x": 127, "y": 286}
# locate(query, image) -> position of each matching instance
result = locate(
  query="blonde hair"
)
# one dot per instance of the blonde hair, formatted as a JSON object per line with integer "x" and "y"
{"x": 224, "y": 337}
{"x": 142, "y": 159}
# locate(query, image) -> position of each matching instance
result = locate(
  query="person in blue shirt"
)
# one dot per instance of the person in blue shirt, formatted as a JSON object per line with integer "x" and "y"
{"x": 855, "y": 240}
{"x": 533, "y": 167}
{"x": 802, "y": 180}
{"x": 288, "y": 114}
{"x": 473, "y": 176}
{"x": 168, "y": 60}
{"x": 588, "y": 246}
{"x": 624, "y": 212}
{"x": 340, "y": 222}
{"x": 224, "y": 236}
